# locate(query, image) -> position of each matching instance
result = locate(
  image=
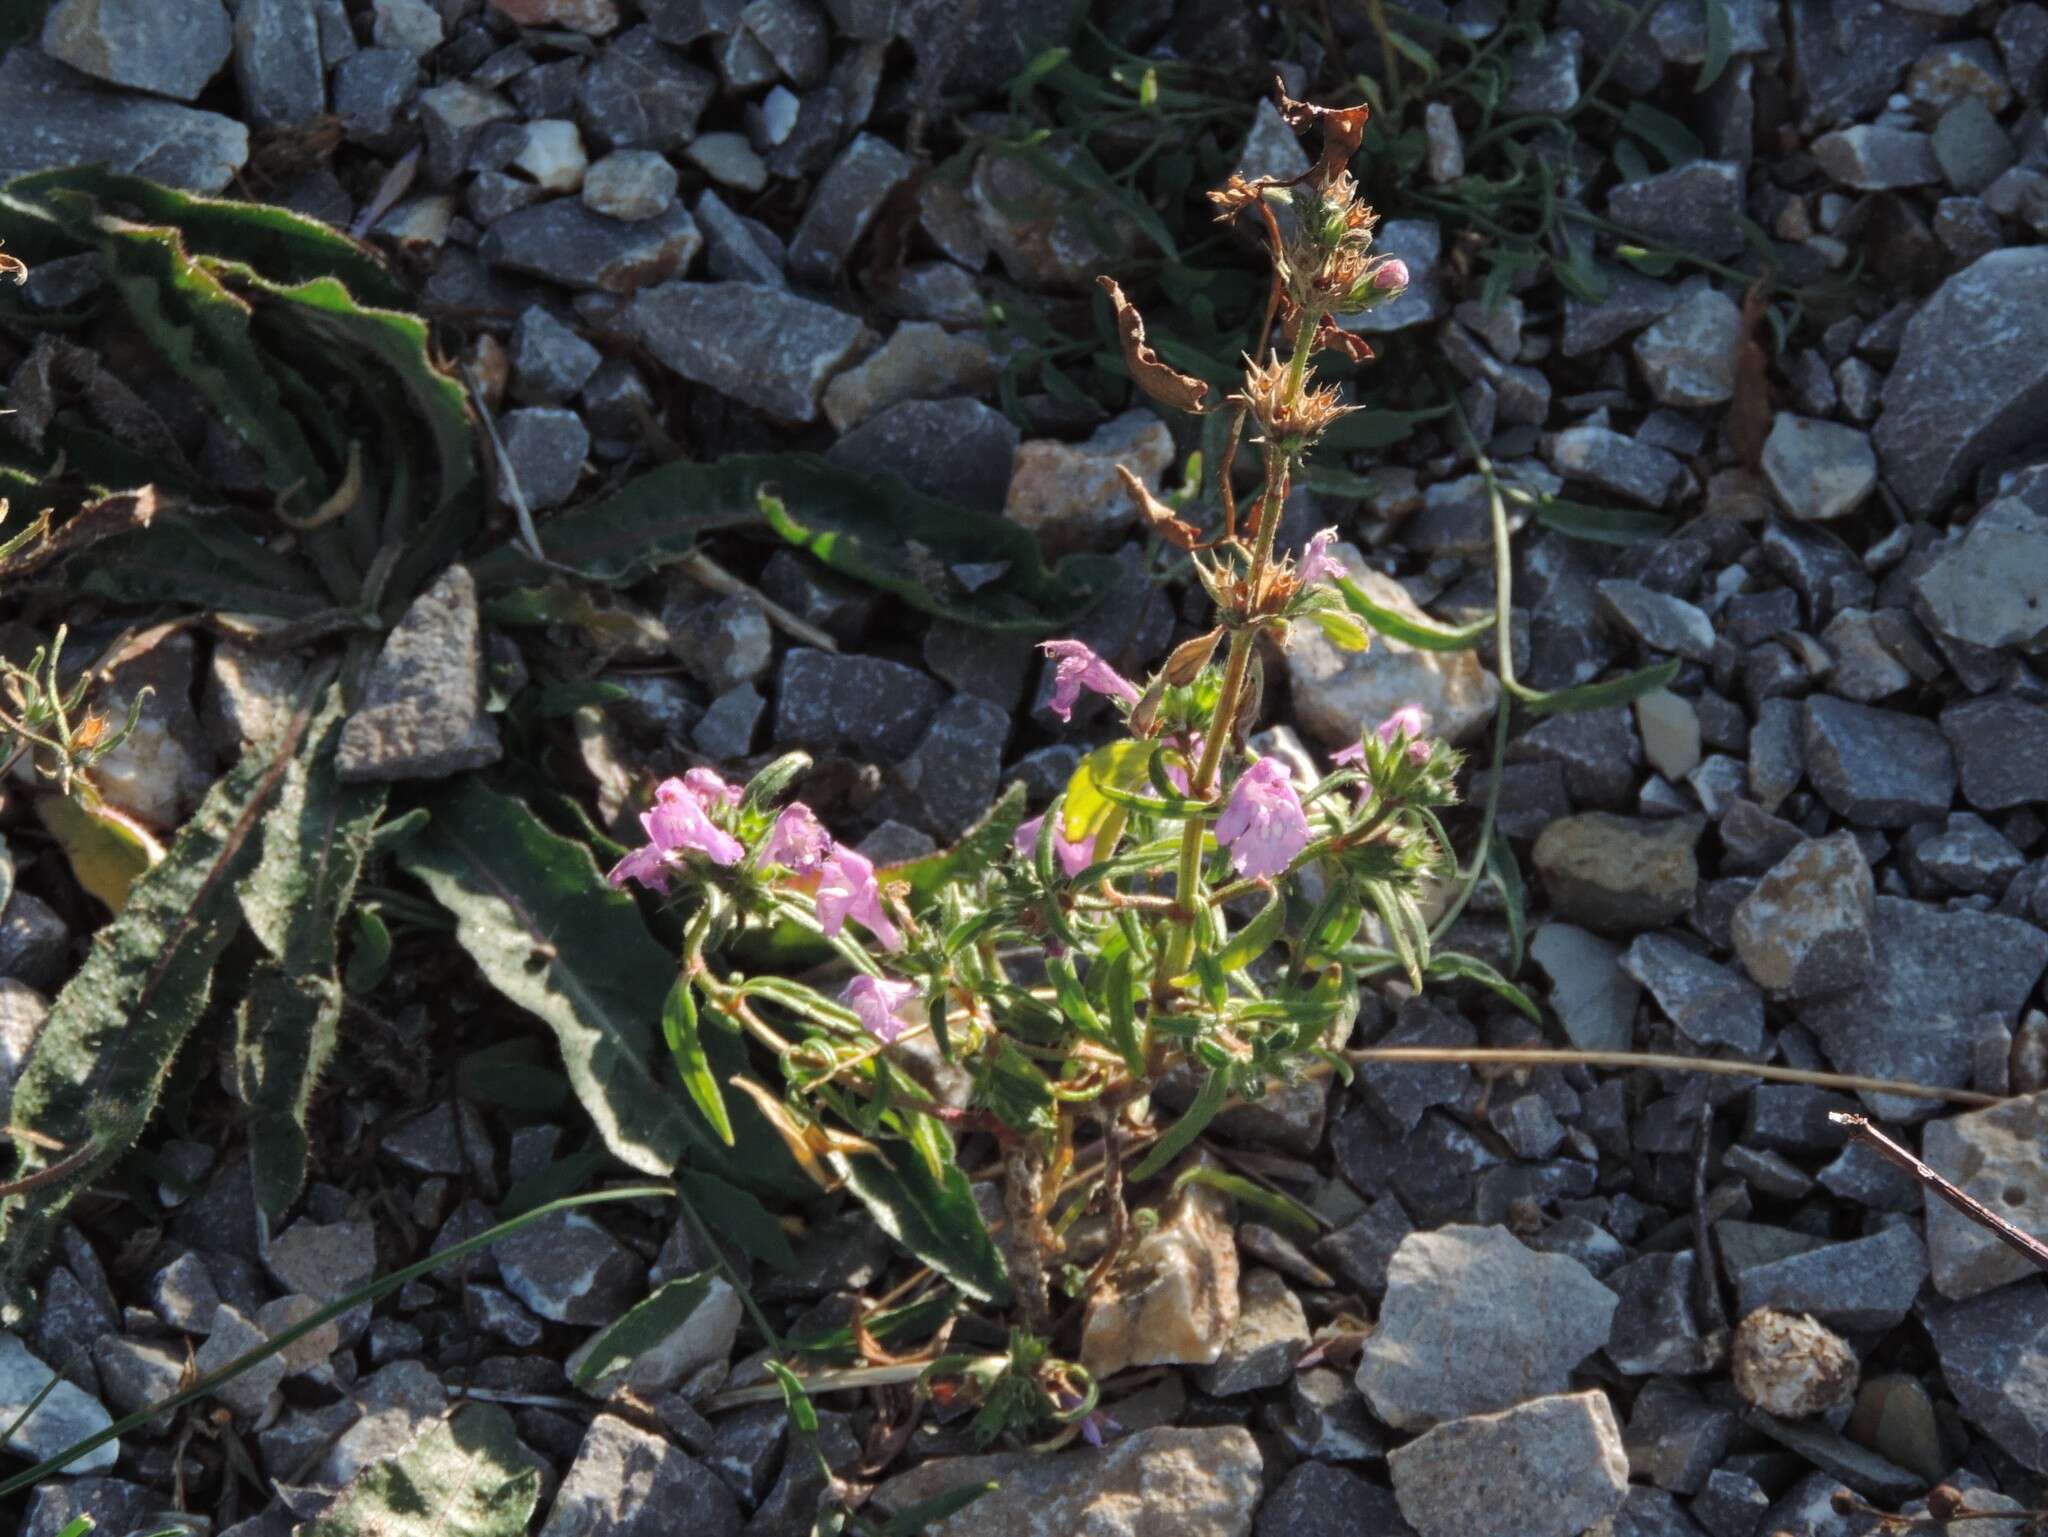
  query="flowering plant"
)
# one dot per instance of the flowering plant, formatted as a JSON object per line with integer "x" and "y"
{"x": 1183, "y": 904}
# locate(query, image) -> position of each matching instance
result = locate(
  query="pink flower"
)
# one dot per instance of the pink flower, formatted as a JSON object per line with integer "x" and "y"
{"x": 678, "y": 822}
{"x": 1317, "y": 563}
{"x": 878, "y": 1001}
{"x": 847, "y": 889}
{"x": 1075, "y": 667}
{"x": 645, "y": 865}
{"x": 1355, "y": 753}
{"x": 798, "y": 840}
{"x": 1074, "y": 856}
{"x": 709, "y": 789}
{"x": 1263, "y": 825}
{"x": 1391, "y": 276}
{"x": 1408, "y": 721}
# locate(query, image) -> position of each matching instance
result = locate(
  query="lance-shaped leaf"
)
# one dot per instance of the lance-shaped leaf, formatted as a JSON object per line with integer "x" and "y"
{"x": 547, "y": 932}
{"x": 315, "y": 840}
{"x": 641, "y": 1328}
{"x": 465, "y": 1477}
{"x": 102, "y": 1056}
{"x": 932, "y": 1213}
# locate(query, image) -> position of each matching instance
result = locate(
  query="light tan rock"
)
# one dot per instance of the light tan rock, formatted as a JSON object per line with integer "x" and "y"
{"x": 1620, "y": 874}
{"x": 1172, "y": 1299}
{"x": 1805, "y": 930}
{"x": 920, "y": 361}
{"x": 1789, "y": 1366}
{"x": 1069, "y": 494}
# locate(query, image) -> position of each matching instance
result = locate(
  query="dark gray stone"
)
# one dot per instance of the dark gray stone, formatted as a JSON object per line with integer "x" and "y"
{"x": 546, "y": 446}
{"x": 2001, "y": 748}
{"x": 1849, "y": 54}
{"x": 567, "y": 1268}
{"x": 1317, "y": 1500}
{"x": 1709, "y": 1003}
{"x": 1932, "y": 973}
{"x": 550, "y": 362}
{"x": 874, "y": 708}
{"x": 1544, "y": 75}
{"x": 57, "y": 117}
{"x": 1878, "y": 768}
{"x": 628, "y": 1482}
{"x": 958, "y": 450}
{"x": 1657, "y": 621}
{"x": 566, "y": 243}
{"x": 1655, "y": 1331}
{"x": 637, "y": 94}
{"x": 1697, "y": 207}
{"x": 1993, "y": 1349}
{"x": 1869, "y": 157}
{"x": 1675, "y": 1437}
{"x": 371, "y": 89}
{"x": 762, "y": 346}
{"x": 738, "y": 249}
{"x": 113, "y": 1505}
{"x": 1360, "y": 1251}
{"x": 1473, "y": 1477}
{"x": 1988, "y": 585}
{"x": 1688, "y": 355}
{"x": 1971, "y": 380}
{"x": 843, "y": 205}
{"x": 1864, "y": 1284}
{"x": 1599, "y": 751}
{"x": 278, "y": 62}
{"x": 953, "y": 775}
{"x": 1632, "y": 302}
{"x": 1607, "y": 459}
{"x": 1403, "y": 1092}
{"x": 166, "y": 47}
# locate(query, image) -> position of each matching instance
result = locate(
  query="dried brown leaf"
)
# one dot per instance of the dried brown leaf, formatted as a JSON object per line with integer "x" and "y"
{"x": 1350, "y": 343}
{"x": 102, "y": 519}
{"x": 1749, "y": 412}
{"x": 1188, "y": 659}
{"x": 1161, "y": 518}
{"x": 1154, "y": 376}
{"x": 1343, "y": 130}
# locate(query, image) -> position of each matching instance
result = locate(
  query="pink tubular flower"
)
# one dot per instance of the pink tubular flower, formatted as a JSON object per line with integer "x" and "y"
{"x": 645, "y": 865}
{"x": 1263, "y": 825}
{"x": 1074, "y": 856}
{"x": 847, "y": 889}
{"x": 1317, "y": 563}
{"x": 1407, "y": 721}
{"x": 1394, "y": 275}
{"x": 878, "y": 1001}
{"x": 798, "y": 840}
{"x": 1355, "y": 753}
{"x": 1075, "y": 667}
{"x": 678, "y": 822}
{"x": 709, "y": 789}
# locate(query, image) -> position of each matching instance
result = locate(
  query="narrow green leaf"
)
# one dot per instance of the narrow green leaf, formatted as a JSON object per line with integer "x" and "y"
{"x": 1469, "y": 968}
{"x": 642, "y": 1327}
{"x": 933, "y": 1216}
{"x": 1504, "y": 872}
{"x": 1601, "y": 525}
{"x": 1179, "y": 1136}
{"x": 1422, "y": 634}
{"x": 101, "y": 1058}
{"x": 1253, "y": 940}
{"x": 912, "y": 1520}
{"x": 1599, "y": 696}
{"x": 563, "y": 1177}
{"x": 803, "y": 1414}
{"x": 465, "y": 1477}
{"x": 285, "y": 1032}
{"x": 733, "y": 1213}
{"x": 546, "y": 931}
{"x": 1664, "y": 133}
{"x": 679, "y": 1029}
{"x": 1282, "y": 1209}
{"x": 204, "y": 562}
{"x": 1123, "y": 1023}
{"x": 369, "y": 957}
{"x": 1720, "y": 42}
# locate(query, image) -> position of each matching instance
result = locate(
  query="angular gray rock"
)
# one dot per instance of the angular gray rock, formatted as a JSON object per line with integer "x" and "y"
{"x": 629, "y": 1482}
{"x": 843, "y": 205}
{"x": 1934, "y": 974}
{"x": 875, "y": 708}
{"x": 1971, "y": 379}
{"x": 1864, "y": 1284}
{"x": 1697, "y": 207}
{"x": 422, "y": 714}
{"x": 1877, "y": 768}
{"x": 67, "y": 1415}
{"x": 1595, "y": 1000}
{"x": 1657, "y": 620}
{"x": 2001, "y": 748}
{"x": 767, "y": 348}
{"x": 1688, "y": 354}
{"x": 278, "y": 63}
{"x": 57, "y": 117}
{"x": 1552, "y": 1468}
{"x": 954, "y": 774}
{"x": 1994, "y": 1155}
{"x": 1474, "y": 1321}
{"x": 1149, "y": 1484}
{"x": 1870, "y": 158}
{"x": 546, "y": 446}
{"x": 166, "y": 47}
{"x": 1656, "y": 1331}
{"x": 550, "y": 362}
{"x": 1988, "y": 585}
{"x": 234, "y": 1335}
{"x": 1805, "y": 930}
{"x": 1613, "y": 462}
{"x": 569, "y": 1269}
{"x": 1818, "y": 470}
{"x": 1709, "y": 1002}
{"x": 1993, "y": 1349}
{"x": 957, "y": 450}
{"x": 1270, "y": 1336}
{"x": 564, "y": 242}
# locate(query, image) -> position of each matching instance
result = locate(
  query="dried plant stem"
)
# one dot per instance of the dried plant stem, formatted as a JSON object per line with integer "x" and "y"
{"x": 2026, "y": 1243}
{"x": 1480, "y": 1056}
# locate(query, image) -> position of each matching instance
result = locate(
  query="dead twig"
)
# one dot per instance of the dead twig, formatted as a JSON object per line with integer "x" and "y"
{"x": 2026, "y": 1243}
{"x": 706, "y": 572}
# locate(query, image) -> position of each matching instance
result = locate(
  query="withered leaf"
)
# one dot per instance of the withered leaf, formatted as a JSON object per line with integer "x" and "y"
{"x": 1350, "y": 343}
{"x": 1161, "y": 518}
{"x": 1343, "y": 129}
{"x": 1187, "y": 660}
{"x": 1749, "y": 411}
{"x": 119, "y": 513}
{"x": 1155, "y": 377}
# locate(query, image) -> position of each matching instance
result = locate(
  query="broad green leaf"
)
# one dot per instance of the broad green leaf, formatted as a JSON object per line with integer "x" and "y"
{"x": 1664, "y": 133}
{"x": 201, "y": 562}
{"x": 315, "y": 839}
{"x": 102, "y": 1056}
{"x": 108, "y": 851}
{"x": 934, "y": 1216}
{"x": 1599, "y": 696}
{"x": 1422, "y": 634}
{"x": 369, "y": 957}
{"x": 1086, "y": 807}
{"x": 679, "y": 1029}
{"x": 465, "y": 1477}
{"x": 732, "y": 1213}
{"x": 914, "y": 1520}
{"x": 1602, "y": 525}
{"x": 1365, "y": 431}
{"x": 1182, "y": 1133}
{"x": 648, "y": 523}
{"x": 548, "y": 932}
{"x": 642, "y": 1327}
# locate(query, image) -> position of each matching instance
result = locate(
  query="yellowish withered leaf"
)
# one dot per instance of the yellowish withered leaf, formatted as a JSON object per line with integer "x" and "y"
{"x": 1154, "y": 375}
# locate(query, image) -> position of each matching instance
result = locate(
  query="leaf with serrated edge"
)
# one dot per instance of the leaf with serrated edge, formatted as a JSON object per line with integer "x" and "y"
{"x": 103, "y": 1053}
{"x": 467, "y": 1476}
{"x": 546, "y": 931}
